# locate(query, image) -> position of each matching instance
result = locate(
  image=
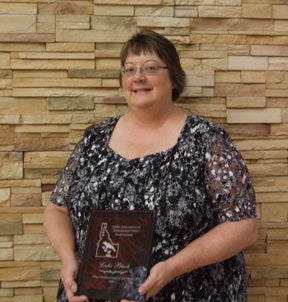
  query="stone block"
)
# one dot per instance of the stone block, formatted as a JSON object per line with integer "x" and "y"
{"x": 63, "y": 92}
{"x": 18, "y": 8}
{"x": 135, "y": 2}
{"x": 73, "y": 22}
{"x": 263, "y": 115}
{"x": 222, "y": 25}
{"x": 280, "y": 11}
{"x": 200, "y": 78}
{"x": 247, "y": 63}
{"x": 239, "y": 90}
{"x": 20, "y": 284}
{"x": 227, "y": 76}
{"x": 71, "y": 103}
{"x": 15, "y": 46}
{"x": 5, "y": 84}
{"x": 45, "y": 175}
{"x": 261, "y": 11}
{"x": 45, "y": 159}
{"x": 279, "y": 234}
{"x": 42, "y": 129}
{"x": 107, "y": 64}
{"x": 269, "y": 50}
{"x": 186, "y": 12}
{"x": 219, "y": 11}
{"x": 279, "y": 130}
{"x": 253, "y": 76}
{"x": 6, "y": 134}
{"x": 162, "y": 21}
{"x": 28, "y": 298}
{"x": 46, "y": 24}
{"x": 278, "y": 63}
{"x": 274, "y": 212}
{"x": 268, "y": 169}
{"x": 244, "y": 131}
{"x": 33, "y": 218}
{"x": 6, "y": 254}
{"x": 35, "y": 142}
{"x": 276, "y": 247}
{"x": 276, "y": 77}
{"x": 34, "y": 229}
{"x": 30, "y": 239}
{"x": 50, "y": 292}
{"x": 206, "y": 109}
{"x": 11, "y": 166}
{"x": 14, "y": 106}
{"x": 6, "y": 73}
{"x": 272, "y": 272}
{"x": 127, "y": 10}
{"x": 25, "y": 273}
{"x": 95, "y": 73}
{"x": 18, "y": 24}
{"x": 272, "y": 197}
{"x": 5, "y": 61}
{"x": 51, "y": 64}
{"x": 69, "y": 47}
{"x": 83, "y": 7}
{"x": 51, "y": 275}
{"x": 277, "y": 102}
{"x": 34, "y": 253}
{"x": 6, "y": 241}
{"x": 27, "y": 37}
{"x": 10, "y": 224}
{"x": 26, "y": 200}
{"x": 5, "y": 195}
{"x": 280, "y": 25}
{"x": 276, "y": 92}
{"x": 246, "y": 102}
{"x": 5, "y": 293}
{"x": 220, "y": 64}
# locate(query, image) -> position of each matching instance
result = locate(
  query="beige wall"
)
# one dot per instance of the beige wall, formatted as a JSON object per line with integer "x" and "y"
{"x": 58, "y": 74}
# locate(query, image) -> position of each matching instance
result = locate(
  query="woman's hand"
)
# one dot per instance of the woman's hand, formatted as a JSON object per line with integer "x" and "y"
{"x": 68, "y": 276}
{"x": 60, "y": 231}
{"x": 160, "y": 275}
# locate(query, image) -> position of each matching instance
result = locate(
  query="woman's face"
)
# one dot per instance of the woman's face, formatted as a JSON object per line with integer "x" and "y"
{"x": 149, "y": 85}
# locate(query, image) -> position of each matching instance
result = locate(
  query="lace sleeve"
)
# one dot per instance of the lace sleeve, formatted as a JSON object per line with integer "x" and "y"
{"x": 61, "y": 192}
{"x": 228, "y": 183}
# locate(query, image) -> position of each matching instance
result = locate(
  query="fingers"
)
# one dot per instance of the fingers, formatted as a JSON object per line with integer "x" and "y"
{"x": 68, "y": 274}
{"x": 158, "y": 278}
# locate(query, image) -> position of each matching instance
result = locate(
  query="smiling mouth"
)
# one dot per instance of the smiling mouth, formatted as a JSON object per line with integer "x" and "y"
{"x": 141, "y": 90}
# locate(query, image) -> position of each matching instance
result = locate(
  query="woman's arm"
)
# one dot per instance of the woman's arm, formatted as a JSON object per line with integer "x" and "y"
{"x": 59, "y": 229}
{"x": 220, "y": 243}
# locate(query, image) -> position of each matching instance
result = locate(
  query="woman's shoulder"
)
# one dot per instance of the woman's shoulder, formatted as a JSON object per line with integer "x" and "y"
{"x": 103, "y": 126}
{"x": 200, "y": 125}
{"x": 100, "y": 130}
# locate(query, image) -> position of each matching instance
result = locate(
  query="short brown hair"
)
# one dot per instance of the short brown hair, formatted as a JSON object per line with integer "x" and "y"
{"x": 150, "y": 41}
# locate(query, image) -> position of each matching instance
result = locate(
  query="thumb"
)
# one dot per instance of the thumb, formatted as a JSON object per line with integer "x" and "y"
{"x": 74, "y": 287}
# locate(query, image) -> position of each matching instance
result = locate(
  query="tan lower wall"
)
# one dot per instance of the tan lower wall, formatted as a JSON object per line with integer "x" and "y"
{"x": 59, "y": 63}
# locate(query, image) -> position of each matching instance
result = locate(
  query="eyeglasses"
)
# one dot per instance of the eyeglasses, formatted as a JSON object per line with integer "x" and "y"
{"x": 130, "y": 70}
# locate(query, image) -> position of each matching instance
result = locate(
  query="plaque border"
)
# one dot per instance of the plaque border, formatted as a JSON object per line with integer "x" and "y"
{"x": 114, "y": 215}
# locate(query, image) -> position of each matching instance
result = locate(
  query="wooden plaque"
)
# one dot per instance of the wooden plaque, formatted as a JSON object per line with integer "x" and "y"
{"x": 117, "y": 254}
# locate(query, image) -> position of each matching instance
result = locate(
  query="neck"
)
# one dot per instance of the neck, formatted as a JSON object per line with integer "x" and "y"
{"x": 151, "y": 119}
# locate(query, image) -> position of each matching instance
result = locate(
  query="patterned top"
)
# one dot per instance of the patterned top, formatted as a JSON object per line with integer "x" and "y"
{"x": 200, "y": 182}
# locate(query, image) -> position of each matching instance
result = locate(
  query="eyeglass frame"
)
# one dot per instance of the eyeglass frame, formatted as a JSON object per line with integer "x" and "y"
{"x": 142, "y": 69}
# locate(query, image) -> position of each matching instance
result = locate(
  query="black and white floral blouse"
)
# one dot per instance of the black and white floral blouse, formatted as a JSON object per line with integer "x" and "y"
{"x": 199, "y": 183}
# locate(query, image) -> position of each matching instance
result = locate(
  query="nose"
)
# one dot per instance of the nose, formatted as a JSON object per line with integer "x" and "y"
{"x": 140, "y": 73}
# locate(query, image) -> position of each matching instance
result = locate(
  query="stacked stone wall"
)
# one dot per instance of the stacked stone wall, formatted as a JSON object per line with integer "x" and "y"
{"x": 59, "y": 65}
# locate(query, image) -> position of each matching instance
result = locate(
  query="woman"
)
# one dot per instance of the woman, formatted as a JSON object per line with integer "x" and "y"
{"x": 157, "y": 157}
